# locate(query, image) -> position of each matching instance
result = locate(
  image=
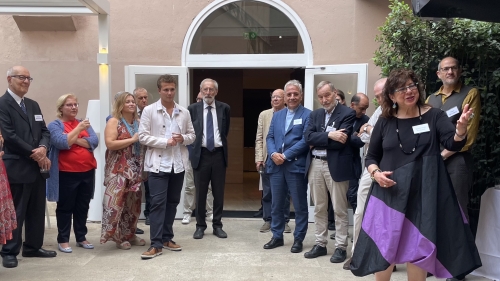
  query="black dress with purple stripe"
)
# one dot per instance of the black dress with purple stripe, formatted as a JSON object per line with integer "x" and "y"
{"x": 418, "y": 220}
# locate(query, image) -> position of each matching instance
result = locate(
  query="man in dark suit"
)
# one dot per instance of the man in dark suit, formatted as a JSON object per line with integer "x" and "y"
{"x": 285, "y": 164}
{"x": 211, "y": 120}
{"x": 26, "y": 142}
{"x": 329, "y": 168}
{"x": 360, "y": 103}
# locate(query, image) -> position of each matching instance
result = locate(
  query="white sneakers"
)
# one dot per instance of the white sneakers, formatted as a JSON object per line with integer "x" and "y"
{"x": 186, "y": 219}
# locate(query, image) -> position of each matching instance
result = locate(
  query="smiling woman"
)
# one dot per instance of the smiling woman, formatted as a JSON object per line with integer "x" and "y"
{"x": 412, "y": 192}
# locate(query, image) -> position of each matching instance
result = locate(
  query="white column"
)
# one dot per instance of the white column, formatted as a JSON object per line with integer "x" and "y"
{"x": 95, "y": 212}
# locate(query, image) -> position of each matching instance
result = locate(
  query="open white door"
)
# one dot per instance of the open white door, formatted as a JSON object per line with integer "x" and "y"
{"x": 350, "y": 78}
{"x": 145, "y": 76}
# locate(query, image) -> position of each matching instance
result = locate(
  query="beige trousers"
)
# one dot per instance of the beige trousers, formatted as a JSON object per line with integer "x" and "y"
{"x": 321, "y": 183}
{"x": 190, "y": 193}
{"x": 363, "y": 189}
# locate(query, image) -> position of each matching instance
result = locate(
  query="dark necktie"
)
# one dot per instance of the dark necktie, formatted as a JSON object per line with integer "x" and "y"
{"x": 23, "y": 106}
{"x": 210, "y": 129}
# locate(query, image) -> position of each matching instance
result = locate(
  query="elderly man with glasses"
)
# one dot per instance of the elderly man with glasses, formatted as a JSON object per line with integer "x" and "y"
{"x": 26, "y": 142}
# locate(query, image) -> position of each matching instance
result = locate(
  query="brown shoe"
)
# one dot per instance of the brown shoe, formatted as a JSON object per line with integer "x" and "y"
{"x": 172, "y": 246}
{"x": 151, "y": 253}
{"x": 347, "y": 264}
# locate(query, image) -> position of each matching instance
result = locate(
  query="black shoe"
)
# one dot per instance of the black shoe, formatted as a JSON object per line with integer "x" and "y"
{"x": 331, "y": 226}
{"x": 40, "y": 253}
{"x": 296, "y": 247}
{"x": 198, "y": 234}
{"x": 315, "y": 252}
{"x": 258, "y": 214}
{"x": 453, "y": 279}
{"x": 347, "y": 264}
{"x": 139, "y": 231}
{"x": 9, "y": 261}
{"x": 274, "y": 243}
{"x": 147, "y": 222}
{"x": 339, "y": 256}
{"x": 220, "y": 233}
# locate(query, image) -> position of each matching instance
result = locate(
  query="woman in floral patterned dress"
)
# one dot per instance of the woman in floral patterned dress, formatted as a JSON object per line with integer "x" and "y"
{"x": 122, "y": 175}
{"x": 7, "y": 211}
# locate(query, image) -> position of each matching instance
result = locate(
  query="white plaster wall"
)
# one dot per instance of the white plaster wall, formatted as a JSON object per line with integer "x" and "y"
{"x": 152, "y": 32}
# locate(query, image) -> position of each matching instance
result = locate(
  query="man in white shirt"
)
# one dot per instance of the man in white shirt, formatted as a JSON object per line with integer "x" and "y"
{"x": 165, "y": 129}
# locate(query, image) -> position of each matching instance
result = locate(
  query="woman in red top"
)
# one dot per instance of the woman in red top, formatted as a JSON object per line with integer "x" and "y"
{"x": 7, "y": 211}
{"x": 72, "y": 174}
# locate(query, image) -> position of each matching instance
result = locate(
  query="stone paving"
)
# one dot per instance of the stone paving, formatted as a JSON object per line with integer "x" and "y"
{"x": 239, "y": 257}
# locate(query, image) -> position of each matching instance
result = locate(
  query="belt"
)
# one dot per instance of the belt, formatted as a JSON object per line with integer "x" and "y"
{"x": 216, "y": 149}
{"x": 320, "y": 157}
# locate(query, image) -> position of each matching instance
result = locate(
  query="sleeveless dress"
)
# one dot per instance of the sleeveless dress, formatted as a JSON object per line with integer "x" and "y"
{"x": 122, "y": 198}
{"x": 8, "y": 220}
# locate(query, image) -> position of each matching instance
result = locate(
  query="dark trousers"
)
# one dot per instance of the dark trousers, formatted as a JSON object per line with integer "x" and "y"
{"x": 165, "y": 191}
{"x": 148, "y": 199}
{"x": 295, "y": 184}
{"x": 75, "y": 192}
{"x": 29, "y": 201}
{"x": 210, "y": 169}
{"x": 352, "y": 194}
{"x": 460, "y": 167}
{"x": 267, "y": 199}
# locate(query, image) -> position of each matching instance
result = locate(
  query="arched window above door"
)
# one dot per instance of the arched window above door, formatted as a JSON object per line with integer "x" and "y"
{"x": 247, "y": 27}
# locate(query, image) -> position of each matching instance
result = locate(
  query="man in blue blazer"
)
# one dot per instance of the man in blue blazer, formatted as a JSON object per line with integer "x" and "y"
{"x": 329, "y": 168}
{"x": 286, "y": 165}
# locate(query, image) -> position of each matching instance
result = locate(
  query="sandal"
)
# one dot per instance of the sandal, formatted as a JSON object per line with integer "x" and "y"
{"x": 124, "y": 245}
{"x": 136, "y": 241}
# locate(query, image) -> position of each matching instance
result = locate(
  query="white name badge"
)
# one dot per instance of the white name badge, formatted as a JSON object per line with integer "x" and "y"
{"x": 38, "y": 118}
{"x": 297, "y": 122}
{"x": 453, "y": 111}
{"x": 418, "y": 129}
{"x": 176, "y": 111}
{"x": 330, "y": 129}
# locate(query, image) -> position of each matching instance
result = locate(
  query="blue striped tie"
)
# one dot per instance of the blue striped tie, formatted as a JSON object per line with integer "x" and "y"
{"x": 23, "y": 106}
{"x": 210, "y": 129}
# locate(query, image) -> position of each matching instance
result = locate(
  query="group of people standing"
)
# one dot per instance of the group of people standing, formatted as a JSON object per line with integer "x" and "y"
{"x": 406, "y": 206}
{"x": 411, "y": 197}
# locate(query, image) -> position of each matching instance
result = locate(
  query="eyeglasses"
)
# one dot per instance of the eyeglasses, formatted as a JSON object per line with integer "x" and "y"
{"x": 276, "y": 97}
{"x": 142, "y": 98}
{"x": 403, "y": 90}
{"x": 446, "y": 69}
{"x": 23, "y": 78}
{"x": 71, "y": 105}
{"x": 209, "y": 90}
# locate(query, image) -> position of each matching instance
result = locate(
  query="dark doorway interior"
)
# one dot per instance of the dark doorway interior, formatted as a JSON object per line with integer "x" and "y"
{"x": 247, "y": 91}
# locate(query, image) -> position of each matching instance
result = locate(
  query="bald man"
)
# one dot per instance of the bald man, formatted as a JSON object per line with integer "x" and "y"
{"x": 26, "y": 139}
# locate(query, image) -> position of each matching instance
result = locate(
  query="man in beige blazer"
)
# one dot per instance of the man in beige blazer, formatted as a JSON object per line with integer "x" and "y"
{"x": 265, "y": 117}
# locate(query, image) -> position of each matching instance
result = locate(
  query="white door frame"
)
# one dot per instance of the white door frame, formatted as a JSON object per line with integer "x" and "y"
{"x": 245, "y": 60}
{"x": 309, "y": 94}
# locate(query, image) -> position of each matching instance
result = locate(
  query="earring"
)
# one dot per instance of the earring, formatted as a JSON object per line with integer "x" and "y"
{"x": 394, "y": 105}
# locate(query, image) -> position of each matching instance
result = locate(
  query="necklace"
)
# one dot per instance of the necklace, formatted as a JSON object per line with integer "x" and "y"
{"x": 418, "y": 136}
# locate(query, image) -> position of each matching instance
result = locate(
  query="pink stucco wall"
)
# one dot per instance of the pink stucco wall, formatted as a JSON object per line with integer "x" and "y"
{"x": 152, "y": 32}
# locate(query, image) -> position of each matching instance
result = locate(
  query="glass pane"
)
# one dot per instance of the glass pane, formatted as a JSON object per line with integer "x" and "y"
{"x": 247, "y": 27}
{"x": 347, "y": 82}
{"x": 148, "y": 82}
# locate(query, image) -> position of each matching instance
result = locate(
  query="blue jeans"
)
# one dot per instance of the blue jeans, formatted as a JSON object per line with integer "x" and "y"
{"x": 267, "y": 199}
{"x": 283, "y": 183}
